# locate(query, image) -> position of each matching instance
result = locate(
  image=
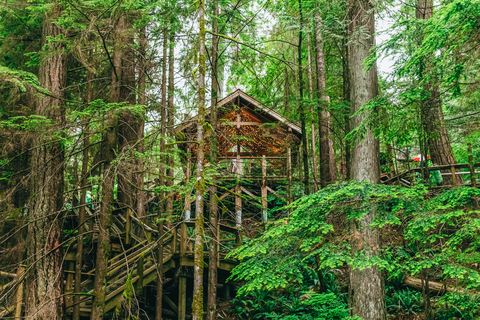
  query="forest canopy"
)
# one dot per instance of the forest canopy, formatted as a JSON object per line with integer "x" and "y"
{"x": 239, "y": 159}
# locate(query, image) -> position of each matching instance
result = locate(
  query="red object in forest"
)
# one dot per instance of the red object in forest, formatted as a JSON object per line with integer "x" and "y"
{"x": 417, "y": 158}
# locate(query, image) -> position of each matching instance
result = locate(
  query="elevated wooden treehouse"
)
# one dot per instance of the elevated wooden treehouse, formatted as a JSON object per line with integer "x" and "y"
{"x": 255, "y": 147}
{"x": 255, "y": 143}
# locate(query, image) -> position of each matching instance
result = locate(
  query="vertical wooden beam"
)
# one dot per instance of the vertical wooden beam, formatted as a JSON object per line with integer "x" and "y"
{"x": 174, "y": 240}
{"x": 183, "y": 242}
{"x": 264, "y": 189}
{"x": 471, "y": 167}
{"x": 454, "y": 176}
{"x": 128, "y": 227}
{"x": 19, "y": 295}
{"x": 182, "y": 297}
{"x": 238, "y": 190}
{"x": 69, "y": 285}
{"x": 289, "y": 169}
{"x": 187, "y": 200}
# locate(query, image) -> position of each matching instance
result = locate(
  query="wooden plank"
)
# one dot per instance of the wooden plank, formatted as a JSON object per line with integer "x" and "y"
{"x": 7, "y": 274}
{"x": 454, "y": 176}
{"x": 170, "y": 303}
{"x": 241, "y": 123}
{"x": 182, "y": 297}
{"x": 19, "y": 294}
{"x": 249, "y": 193}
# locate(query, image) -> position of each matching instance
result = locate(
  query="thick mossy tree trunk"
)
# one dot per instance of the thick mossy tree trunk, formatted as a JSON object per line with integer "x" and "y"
{"x": 301, "y": 104}
{"x": 83, "y": 203}
{"x": 312, "y": 111}
{"x": 162, "y": 171}
{"x": 328, "y": 168}
{"x": 109, "y": 146}
{"x": 367, "y": 292}
{"x": 197, "y": 306}
{"x": 171, "y": 131}
{"x": 44, "y": 281}
{"x": 130, "y": 123}
{"x": 212, "y": 265}
{"x": 431, "y": 109}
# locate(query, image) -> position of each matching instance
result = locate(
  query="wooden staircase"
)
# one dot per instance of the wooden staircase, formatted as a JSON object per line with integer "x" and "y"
{"x": 137, "y": 265}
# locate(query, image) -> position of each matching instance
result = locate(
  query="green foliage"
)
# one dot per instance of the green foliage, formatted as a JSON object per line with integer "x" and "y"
{"x": 405, "y": 301}
{"x": 437, "y": 234}
{"x": 458, "y": 306}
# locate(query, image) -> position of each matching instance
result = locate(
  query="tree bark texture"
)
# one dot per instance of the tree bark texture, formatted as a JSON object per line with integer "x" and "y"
{"x": 197, "y": 306}
{"x": 328, "y": 168}
{"x": 212, "y": 265}
{"x": 83, "y": 202}
{"x": 301, "y": 104}
{"x": 171, "y": 120}
{"x": 431, "y": 110}
{"x": 367, "y": 294}
{"x": 129, "y": 123}
{"x": 109, "y": 146}
{"x": 312, "y": 111}
{"x": 161, "y": 200}
{"x": 45, "y": 277}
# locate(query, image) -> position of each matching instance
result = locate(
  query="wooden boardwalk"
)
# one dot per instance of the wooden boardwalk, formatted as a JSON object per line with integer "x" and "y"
{"x": 410, "y": 177}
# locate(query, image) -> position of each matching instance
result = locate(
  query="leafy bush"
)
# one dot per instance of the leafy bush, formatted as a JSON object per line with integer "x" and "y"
{"x": 405, "y": 301}
{"x": 460, "y": 306}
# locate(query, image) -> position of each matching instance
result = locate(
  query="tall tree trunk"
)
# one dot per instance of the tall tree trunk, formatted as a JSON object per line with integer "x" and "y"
{"x": 346, "y": 98}
{"x": 301, "y": 104}
{"x": 142, "y": 100}
{"x": 128, "y": 124}
{"x": 197, "y": 306}
{"x": 328, "y": 168}
{"x": 310, "y": 87}
{"x": 83, "y": 203}
{"x": 212, "y": 266}
{"x": 45, "y": 279}
{"x": 109, "y": 146}
{"x": 161, "y": 198}
{"x": 431, "y": 109}
{"x": 367, "y": 294}
{"x": 171, "y": 120}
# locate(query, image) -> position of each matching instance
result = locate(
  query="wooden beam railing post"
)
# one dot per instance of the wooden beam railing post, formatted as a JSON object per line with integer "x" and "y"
{"x": 238, "y": 191}
{"x": 454, "y": 176}
{"x": 69, "y": 285}
{"x": 187, "y": 177}
{"x": 182, "y": 297}
{"x": 289, "y": 173}
{"x": 19, "y": 295}
{"x": 128, "y": 226}
{"x": 183, "y": 243}
{"x": 264, "y": 189}
{"x": 471, "y": 167}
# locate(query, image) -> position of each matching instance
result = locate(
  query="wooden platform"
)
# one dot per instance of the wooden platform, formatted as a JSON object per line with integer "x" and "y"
{"x": 139, "y": 263}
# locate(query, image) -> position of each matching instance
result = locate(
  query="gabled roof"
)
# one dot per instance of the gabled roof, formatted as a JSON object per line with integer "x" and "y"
{"x": 258, "y": 107}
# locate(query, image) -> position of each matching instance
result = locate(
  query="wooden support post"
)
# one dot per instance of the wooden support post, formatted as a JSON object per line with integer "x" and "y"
{"x": 140, "y": 270}
{"x": 174, "y": 240}
{"x": 183, "y": 242}
{"x": 69, "y": 285}
{"x": 264, "y": 189}
{"x": 19, "y": 295}
{"x": 226, "y": 291}
{"x": 454, "y": 176}
{"x": 182, "y": 297}
{"x": 471, "y": 167}
{"x": 289, "y": 174}
{"x": 238, "y": 191}
{"x": 187, "y": 202}
{"x": 128, "y": 226}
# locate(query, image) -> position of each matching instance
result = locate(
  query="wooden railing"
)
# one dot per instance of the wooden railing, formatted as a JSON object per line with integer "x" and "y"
{"x": 408, "y": 178}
